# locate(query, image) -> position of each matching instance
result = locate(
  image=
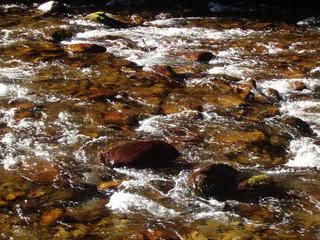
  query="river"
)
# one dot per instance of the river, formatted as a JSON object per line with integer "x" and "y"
{"x": 262, "y": 79}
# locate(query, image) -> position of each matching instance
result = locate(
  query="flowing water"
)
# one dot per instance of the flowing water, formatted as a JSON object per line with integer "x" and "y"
{"x": 50, "y": 135}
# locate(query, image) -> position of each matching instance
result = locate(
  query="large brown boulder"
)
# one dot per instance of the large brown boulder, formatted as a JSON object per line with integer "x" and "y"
{"x": 139, "y": 154}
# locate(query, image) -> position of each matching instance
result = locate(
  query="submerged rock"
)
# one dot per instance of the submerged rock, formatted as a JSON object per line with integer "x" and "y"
{"x": 43, "y": 172}
{"x": 178, "y": 107}
{"x": 52, "y": 217}
{"x": 139, "y": 154}
{"x": 218, "y": 180}
{"x": 25, "y": 110}
{"x": 122, "y": 117}
{"x": 95, "y": 94}
{"x": 232, "y": 138}
{"x": 236, "y": 234}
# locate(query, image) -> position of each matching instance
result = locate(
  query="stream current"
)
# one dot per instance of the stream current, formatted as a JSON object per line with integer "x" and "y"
{"x": 51, "y": 187}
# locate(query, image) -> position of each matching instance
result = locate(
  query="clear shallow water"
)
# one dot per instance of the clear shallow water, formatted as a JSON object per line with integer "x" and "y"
{"x": 62, "y": 133}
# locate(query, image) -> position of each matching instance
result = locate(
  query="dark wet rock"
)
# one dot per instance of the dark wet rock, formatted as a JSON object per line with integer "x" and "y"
{"x": 61, "y": 35}
{"x": 298, "y": 124}
{"x": 52, "y": 7}
{"x": 85, "y": 48}
{"x": 107, "y": 19}
{"x": 216, "y": 180}
{"x": 95, "y": 94}
{"x": 139, "y": 154}
{"x": 298, "y": 86}
{"x": 203, "y": 57}
{"x": 259, "y": 113}
{"x": 317, "y": 92}
{"x": 271, "y": 95}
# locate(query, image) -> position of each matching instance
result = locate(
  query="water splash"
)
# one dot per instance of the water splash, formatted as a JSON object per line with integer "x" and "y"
{"x": 306, "y": 151}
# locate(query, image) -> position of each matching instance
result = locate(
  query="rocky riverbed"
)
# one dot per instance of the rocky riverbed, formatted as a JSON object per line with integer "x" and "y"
{"x": 123, "y": 123}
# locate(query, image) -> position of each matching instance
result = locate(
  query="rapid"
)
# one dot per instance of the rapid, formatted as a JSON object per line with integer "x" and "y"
{"x": 52, "y": 125}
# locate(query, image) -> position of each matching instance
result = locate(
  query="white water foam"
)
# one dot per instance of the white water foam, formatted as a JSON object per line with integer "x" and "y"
{"x": 3, "y": 89}
{"x": 307, "y": 153}
{"x": 15, "y": 92}
{"x": 305, "y": 150}
{"x": 179, "y": 201}
{"x": 306, "y": 110}
{"x": 157, "y": 43}
{"x": 131, "y": 203}
{"x": 29, "y": 139}
{"x": 231, "y": 70}
{"x": 284, "y": 86}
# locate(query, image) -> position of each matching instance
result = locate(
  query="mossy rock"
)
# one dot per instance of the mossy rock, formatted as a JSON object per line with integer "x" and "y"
{"x": 111, "y": 21}
{"x": 260, "y": 181}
